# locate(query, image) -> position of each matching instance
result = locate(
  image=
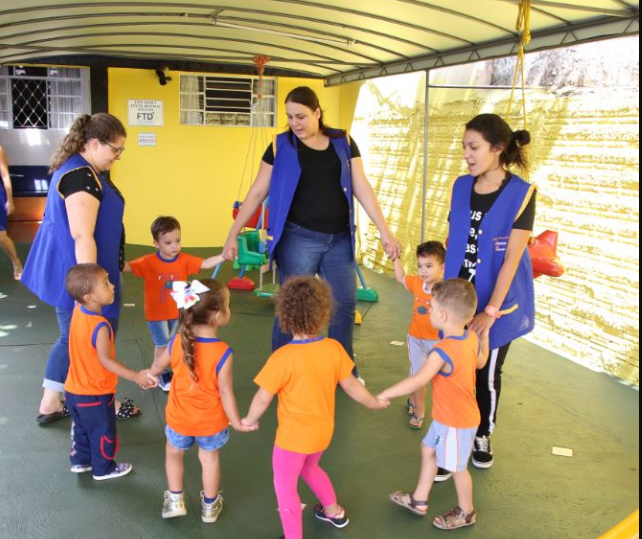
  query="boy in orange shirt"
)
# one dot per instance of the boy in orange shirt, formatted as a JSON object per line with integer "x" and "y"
{"x": 160, "y": 270}
{"x": 304, "y": 374}
{"x": 93, "y": 376}
{"x": 451, "y": 367}
{"x": 422, "y": 336}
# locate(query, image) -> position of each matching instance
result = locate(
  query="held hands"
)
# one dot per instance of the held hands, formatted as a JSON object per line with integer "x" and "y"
{"x": 481, "y": 324}
{"x": 230, "y": 249}
{"x": 381, "y": 403}
{"x": 247, "y": 426}
{"x": 391, "y": 245}
{"x": 145, "y": 379}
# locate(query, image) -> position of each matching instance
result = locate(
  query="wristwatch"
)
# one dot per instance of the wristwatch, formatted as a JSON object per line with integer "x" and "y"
{"x": 492, "y": 311}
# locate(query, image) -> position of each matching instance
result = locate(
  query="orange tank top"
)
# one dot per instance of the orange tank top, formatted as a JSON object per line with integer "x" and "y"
{"x": 194, "y": 408}
{"x": 87, "y": 376}
{"x": 453, "y": 395}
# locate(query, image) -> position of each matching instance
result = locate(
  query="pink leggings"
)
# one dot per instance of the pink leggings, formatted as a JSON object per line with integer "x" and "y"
{"x": 288, "y": 467}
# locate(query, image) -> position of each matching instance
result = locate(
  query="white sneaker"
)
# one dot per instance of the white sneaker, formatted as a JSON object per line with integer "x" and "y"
{"x": 81, "y": 468}
{"x": 174, "y": 505}
{"x": 211, "y": 511}
{"x": 121, "y": 469}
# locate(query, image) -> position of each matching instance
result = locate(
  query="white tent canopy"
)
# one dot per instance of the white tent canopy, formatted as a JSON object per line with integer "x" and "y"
{"x": 338, "y": 40}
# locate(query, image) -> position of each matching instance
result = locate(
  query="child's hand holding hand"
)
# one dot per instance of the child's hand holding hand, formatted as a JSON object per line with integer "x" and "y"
{"x": 383, "y": 403}
{"x": 145, "y": 380}
{"x": 248, "y": 425}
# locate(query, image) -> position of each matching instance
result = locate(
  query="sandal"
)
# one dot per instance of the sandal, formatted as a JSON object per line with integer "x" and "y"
{"x": 405, "y": 499}
{"x": 128, "y": 410}
{"x": 410, "y": 407}
{"x": 44, "y": 419}
{"x": 416, "y": 422}
{"x": 454, "y": 519}
{"x": 17, "y": 272}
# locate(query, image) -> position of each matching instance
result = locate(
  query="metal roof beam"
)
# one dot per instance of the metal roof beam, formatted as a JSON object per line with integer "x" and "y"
{"x": 596, "y": 30}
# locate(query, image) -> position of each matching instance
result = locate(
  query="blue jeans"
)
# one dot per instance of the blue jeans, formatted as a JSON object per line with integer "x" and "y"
{"x": 58, "y": 363}
{"x": 305, "y": 252}
{"x": 162, "y": 331}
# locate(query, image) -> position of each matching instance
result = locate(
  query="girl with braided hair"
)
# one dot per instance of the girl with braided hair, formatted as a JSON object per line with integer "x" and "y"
{"x": 201, "y": 401}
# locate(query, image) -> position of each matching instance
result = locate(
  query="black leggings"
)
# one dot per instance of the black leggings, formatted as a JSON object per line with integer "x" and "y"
{"x": 489, "y": 388}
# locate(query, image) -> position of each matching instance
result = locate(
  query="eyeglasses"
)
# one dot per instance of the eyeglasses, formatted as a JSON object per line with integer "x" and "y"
{"x": 117, "y": 151}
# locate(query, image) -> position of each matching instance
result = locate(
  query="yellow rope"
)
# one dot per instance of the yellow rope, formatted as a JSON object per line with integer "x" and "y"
{"x": 524, "y": 26}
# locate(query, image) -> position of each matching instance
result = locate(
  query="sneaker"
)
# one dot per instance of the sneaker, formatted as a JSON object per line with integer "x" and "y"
{"x": 339, "y": 520}
{"x": 165, "y": 380}
{"x": 442, "y": 475}
{"x": 482, "y": 453}
{"x": 211, "y": 511}
{"x": 81, "y": 468}
{"x": 174, "y": 505}
{"x": 121, "y": 469}
{"x": 453, "y": 519}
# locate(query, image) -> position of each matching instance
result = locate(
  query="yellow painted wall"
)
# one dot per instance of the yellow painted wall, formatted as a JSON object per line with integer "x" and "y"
{"x": 585, "y": 156}
{"x": 194, "y": 172}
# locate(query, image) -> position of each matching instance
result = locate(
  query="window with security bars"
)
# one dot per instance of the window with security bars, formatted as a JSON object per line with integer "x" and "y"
{"x": 39, "y": 97}
{"x": 228, "y": 101}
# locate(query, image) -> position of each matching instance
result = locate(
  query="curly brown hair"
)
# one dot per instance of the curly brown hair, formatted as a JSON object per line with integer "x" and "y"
{"x": 304, "y": 306}
{"x": 213, "y": 301}
{"x": 102, "y": 127}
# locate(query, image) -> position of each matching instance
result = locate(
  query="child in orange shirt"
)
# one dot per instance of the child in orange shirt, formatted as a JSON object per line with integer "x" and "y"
{"x": 304, "y": 374}
{"x": 422, "y": 336}
{"x": 451, "y": 367}
{"x": 93, "y": 376}
{"x": 159, "y": 271}
{"x": 201, "y": 402}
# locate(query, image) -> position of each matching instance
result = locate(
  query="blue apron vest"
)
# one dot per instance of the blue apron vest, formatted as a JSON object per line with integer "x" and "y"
{"x": 53, "y": 251}
{"x": 494, "y": 231}
{"x": 285, "y": 179}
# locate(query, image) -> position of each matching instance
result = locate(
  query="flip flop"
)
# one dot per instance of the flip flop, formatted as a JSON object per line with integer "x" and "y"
{"x": 45, "y": 419}
{"x": 410, "y": 407}
{"x": 128, "y": 410}
{"x": 406, "y": 500}
{"x": 416, "y": 422}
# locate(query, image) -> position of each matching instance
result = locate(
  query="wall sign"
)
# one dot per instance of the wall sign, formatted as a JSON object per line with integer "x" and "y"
{"x": 147, "y": 139}
{"x": 145, "y": 112}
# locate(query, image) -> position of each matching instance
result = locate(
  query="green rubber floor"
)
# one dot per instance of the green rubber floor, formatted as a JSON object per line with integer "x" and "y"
{"x": 529, "y": 493}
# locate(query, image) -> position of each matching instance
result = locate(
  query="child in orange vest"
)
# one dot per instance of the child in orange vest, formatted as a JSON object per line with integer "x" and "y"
{"x": 304, "y": 374}
{"x": 90, "y": 387}
{"x": 451, "y": 367}
{"x": 201, "y": 402}
{"x": 160, "y": 270}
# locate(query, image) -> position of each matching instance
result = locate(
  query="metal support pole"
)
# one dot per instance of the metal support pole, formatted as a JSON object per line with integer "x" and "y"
{"x": 424, "y": 193}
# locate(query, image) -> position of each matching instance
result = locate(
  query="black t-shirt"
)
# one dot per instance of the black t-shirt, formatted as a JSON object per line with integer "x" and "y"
{"x": 480, "y": 205}
{"x": 83, "y": 180}
{"x": 319, "y": 203}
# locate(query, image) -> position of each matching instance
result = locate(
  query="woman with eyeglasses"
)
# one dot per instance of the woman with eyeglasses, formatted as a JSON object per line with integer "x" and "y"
{"x": 83, "y": 223}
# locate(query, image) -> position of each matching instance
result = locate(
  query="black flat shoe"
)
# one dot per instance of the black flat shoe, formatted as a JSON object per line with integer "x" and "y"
{"x": 44, "y": 419}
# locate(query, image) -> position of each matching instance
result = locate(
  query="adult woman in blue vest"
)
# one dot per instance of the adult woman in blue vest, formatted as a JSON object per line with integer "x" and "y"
{"x": 311, "y": 182}
{"x": 83, "y": 223}
{"x": 491, "y": 221}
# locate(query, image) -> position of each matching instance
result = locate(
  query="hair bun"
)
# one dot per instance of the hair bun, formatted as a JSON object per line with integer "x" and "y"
{"x": 523, "y": 138}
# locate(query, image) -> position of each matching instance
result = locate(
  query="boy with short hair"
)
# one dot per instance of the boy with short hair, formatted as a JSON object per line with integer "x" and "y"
{"x": 422, "y": 336}
{"x": 160, "y": 270}
{"x": 451, "y": 367}
{"x": 90, "y": 387}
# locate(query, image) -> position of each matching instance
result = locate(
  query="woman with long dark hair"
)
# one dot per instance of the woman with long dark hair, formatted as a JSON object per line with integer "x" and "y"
{"x": 492, "y": 215}
{"x": 312, "y": 173}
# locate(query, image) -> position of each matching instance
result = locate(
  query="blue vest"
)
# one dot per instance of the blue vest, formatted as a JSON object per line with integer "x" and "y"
{"x": 495, "y": 229}
{"x": 285, "y": 179}
{"x": 53, "y": 251}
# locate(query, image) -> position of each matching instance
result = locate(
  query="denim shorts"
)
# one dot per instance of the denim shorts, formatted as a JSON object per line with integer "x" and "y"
{"x": 453, "y": 446}
{"x": 206, "y": 443}
{"x": 162, "y": 331}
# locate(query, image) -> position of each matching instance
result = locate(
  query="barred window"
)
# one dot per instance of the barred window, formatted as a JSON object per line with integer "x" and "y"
{"x": 228, "y": 101}
{"x": 39, "y": 97}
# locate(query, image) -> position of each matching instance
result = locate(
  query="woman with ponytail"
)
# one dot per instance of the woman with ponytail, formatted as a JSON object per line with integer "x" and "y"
{"x": 491, "y": 220}
{"x": 201, "y": 401}
{"x": 312, "y": 174}
{"x": 83, "y": 223}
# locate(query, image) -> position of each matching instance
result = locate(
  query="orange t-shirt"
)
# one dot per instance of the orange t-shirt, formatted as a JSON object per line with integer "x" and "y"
{"x": 453, "y": 395}
{"x": 195, "y": 408}
{"x": 420, "y": 324}
{"x": 87, "y": 376}
{"x": 304, "y": 375}
{"x": 159, "y": 275}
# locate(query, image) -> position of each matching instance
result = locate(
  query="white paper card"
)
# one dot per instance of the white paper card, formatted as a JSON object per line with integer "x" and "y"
{"x": 562, "y": 452}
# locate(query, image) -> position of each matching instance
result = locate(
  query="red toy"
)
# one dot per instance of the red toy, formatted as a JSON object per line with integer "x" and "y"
{"x": 543, "y": 250}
